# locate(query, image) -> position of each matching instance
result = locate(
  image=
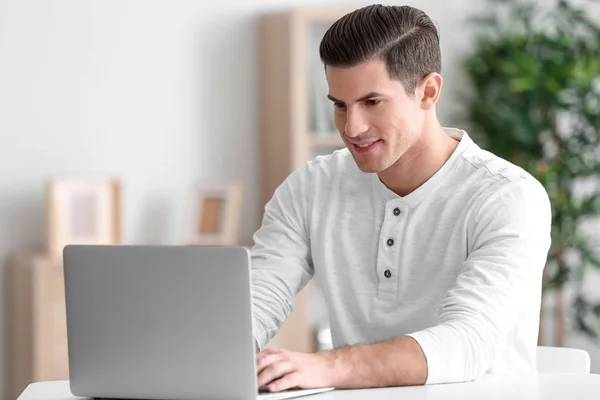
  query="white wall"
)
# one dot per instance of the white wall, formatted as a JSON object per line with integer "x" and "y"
{"x": 162, "y": 94}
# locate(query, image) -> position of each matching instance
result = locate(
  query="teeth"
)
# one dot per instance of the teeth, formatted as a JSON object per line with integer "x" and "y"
{"x": 365, "y": 145}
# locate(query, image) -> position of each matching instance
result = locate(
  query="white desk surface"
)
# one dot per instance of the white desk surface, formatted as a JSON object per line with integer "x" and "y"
{"x": 527, "y": 386}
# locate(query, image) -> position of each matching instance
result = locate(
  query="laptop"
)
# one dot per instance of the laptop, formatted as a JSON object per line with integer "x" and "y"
{"x": 161, "y": 322}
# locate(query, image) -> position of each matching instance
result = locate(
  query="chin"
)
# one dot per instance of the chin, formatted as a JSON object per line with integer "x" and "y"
{"x": 368, "y": 166}
{"x": 374, "y": 162}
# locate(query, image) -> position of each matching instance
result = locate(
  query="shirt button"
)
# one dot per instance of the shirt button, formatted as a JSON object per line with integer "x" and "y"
{"x": 387, "y": 273}
{"x": 396, "y": 211}
{"x": 390, "y": 242}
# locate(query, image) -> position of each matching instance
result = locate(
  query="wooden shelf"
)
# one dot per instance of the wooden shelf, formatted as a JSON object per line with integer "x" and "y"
{"x": 37, "y": 328}
{"x": 288, "y": 41}
{"x": 326, "y": 140}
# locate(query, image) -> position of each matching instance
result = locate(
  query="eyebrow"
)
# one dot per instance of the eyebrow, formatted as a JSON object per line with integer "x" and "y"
{"x": 362, "y": 98}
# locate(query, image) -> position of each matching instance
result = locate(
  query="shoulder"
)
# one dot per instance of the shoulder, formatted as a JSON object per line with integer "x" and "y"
{"x": 505, "y": 189}
{"x": 318, "y": 175}
{"x": 338, "y": 162}
{"x": 324, "y": 169}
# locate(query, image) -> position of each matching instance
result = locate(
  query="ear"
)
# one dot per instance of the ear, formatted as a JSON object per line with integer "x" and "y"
{"x": 431, "y": 88}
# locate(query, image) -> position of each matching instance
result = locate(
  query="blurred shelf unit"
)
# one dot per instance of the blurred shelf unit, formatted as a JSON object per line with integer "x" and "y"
{"x": 296, "y": 120}
{"x": 296, "y": 117}
{"x": 35, "y": 320}
{"x": 326, "y": 141}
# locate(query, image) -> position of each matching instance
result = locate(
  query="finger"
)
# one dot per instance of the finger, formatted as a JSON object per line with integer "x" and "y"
{"x": 267, "y": 352}
{"x": 273, "y": 372}
{"x": 286, "y": 382}
{"x": 268, "y": 359}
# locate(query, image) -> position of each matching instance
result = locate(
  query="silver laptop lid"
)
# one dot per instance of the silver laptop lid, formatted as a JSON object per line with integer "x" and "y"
{"x": 160, "y": 322}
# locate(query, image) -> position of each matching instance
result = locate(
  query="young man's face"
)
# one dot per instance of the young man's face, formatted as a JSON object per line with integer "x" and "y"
{"x": 376, "y": 118}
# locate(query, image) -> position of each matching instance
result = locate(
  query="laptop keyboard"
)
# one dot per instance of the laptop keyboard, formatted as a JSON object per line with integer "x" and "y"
{"x": 264, "y": 395}
{"x": 289, "y": 393}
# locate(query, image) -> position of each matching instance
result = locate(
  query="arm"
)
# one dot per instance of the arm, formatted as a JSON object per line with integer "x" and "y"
{"x": 281, "y": 260}
{"x": 395, "y": 362}
{"x": 511, "y": 233}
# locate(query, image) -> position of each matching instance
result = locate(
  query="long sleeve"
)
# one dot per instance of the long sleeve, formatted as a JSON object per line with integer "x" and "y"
{"x": 510, "y": 230}
{"x": 281, "y": 259}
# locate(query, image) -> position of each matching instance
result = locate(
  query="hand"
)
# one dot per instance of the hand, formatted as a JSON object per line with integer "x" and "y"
{"x": 282, "y": 369}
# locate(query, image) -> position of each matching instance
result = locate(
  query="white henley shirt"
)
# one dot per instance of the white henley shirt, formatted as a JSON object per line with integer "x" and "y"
{"x": 456, "y": 264}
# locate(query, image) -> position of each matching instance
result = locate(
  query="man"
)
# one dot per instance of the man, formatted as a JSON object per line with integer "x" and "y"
{"x": 429, "y": 250}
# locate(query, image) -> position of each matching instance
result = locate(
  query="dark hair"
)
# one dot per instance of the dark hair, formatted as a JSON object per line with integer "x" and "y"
{"x": 403, "y": 37}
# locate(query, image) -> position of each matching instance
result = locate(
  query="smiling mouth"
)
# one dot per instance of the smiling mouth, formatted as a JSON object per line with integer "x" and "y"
{"x": 365, "y": 148}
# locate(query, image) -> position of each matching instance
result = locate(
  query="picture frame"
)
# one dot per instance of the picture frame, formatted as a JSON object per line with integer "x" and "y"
{"x": 83, "y": 211}
{"x": 215, "y": 214}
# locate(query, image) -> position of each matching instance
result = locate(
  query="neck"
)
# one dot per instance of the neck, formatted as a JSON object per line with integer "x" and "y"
{"x": 431, "y": 151}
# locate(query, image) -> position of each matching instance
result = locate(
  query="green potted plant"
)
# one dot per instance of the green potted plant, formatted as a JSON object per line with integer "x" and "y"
{"x": 534, "y": 99}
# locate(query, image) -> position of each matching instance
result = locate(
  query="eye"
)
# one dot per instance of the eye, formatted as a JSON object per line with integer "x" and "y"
{"x": 373, "y": 102}
{"x": 339, "y": 105}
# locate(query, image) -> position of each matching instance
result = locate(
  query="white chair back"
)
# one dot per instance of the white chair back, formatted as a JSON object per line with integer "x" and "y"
{"x": 562, "y": 360}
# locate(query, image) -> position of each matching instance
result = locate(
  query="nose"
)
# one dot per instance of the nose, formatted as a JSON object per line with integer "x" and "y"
{"x": 356, "y": 123}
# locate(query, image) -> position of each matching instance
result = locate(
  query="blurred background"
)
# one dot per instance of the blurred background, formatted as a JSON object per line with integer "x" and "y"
{"x": 172, "y": 122}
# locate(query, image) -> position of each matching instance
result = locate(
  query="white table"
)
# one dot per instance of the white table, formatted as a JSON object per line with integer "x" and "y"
{"x": 533, "y": 386}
